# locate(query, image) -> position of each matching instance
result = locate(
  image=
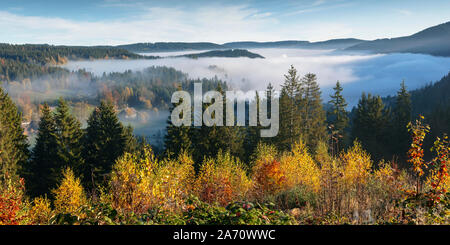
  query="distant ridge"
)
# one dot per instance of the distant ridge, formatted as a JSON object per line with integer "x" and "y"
{"x": 434, "y": 40}
{"x": 185, "y": 46}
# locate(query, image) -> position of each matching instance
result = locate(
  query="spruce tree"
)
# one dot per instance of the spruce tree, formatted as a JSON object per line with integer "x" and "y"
{"x": 370, "y": 125}
{"x": 311, "y": 112}
{"x": 290, "y": 100}
{"x": 402, "y": 116}
{"x": 68, "y": 136}
{"x": 338, "y": 115}
{"x": 13, "y": 143}
{"x": 105, "y": 140}
{"x": 177, "y": 139}
{"x": 45, "y": 169}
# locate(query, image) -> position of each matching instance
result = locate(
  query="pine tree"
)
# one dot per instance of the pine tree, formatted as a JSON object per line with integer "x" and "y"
{"x": 402, "y": 116}
{"x": 208, "y": 141}
{"x": 44, "y": 170}
{"x": 253, "y": 134}
{"x": 370, "y": 125}
{"x": 177, "y": 139}
{"x": 338, "y": 115}
{"x": 13, "y": 143}
{"x": 69, "y": 136}
{"x": 105, "y": 140}
{"x": 290, "y": 99}
{"x": 311, "y": 112}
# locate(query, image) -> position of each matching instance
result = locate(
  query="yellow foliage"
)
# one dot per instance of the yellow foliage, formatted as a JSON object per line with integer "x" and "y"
{"x": 357, "y": 165}
{"x": 69, "y": 196}
{"x": 131, "y": 181}
{"x": 139, "y": 182}
{"x": 174, "y": 181}
{"x": 41, "y": 211}
{"x": 222, "y": 180}
{"x": 299, "y": 168}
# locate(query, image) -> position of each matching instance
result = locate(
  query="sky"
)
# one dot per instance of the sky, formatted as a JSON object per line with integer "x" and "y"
{"x": 113, "y": 22}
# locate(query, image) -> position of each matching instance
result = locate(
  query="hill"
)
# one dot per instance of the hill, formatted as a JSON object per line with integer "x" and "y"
{"x": 230, "y": 53}
{"x": 434, "y": 41}
{"x": 169, "y": 46}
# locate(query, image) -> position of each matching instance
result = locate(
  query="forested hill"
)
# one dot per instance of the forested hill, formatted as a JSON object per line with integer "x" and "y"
{"x": 18, "y": 62}
{"x": 45, "y": 54}
{"x": 230, "y": 53}
{"x": 434, "y": 40}
{"x": 169, "y": 46}
{"x": 433, "y": 102}
{"x": 425, "y": 100}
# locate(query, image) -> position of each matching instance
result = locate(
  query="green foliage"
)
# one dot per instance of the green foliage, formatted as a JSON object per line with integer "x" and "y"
{"x": 370, "y": 124}
{"x": 43, "y": 172}
{"x": 105, "y": 140}
{"x": 13, "y": 143}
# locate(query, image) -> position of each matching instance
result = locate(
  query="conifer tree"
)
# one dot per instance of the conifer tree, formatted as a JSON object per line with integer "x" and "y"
{"x": 105, "y": 140}
{"x": 338, "y": 115}
{"x": 311, "y": 112}
{"x": 177, "y": 139}
{"x": 290, "y": 99}
{"x": 44, "y": 170}
{"x": 68, "y": 136}
{"x": 13, "y": 143}
{"x": 402, "y": 116}
{"x": 370, "y": 124}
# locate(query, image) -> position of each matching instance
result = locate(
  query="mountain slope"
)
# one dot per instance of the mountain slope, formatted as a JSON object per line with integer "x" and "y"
{"x": 434, "y": 40}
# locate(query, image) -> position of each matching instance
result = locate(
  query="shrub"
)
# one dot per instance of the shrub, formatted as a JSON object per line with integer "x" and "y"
{"x": 222, "y": 180}
{"x": 13, "y": 207}
{"x": 41, "y": 211}
{"x": 299, "y": 168}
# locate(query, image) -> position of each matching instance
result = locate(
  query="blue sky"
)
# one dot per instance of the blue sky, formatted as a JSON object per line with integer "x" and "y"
{"x": 101, "y": 22}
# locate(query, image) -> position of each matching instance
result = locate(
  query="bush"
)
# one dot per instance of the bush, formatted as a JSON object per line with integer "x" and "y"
{"x": 222, "y": 180}
{"x": 13, "y": 207}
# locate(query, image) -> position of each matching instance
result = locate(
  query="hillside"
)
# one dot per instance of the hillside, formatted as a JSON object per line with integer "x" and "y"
{"x": 434, "y": 41}
{"x": 230, "y": 53}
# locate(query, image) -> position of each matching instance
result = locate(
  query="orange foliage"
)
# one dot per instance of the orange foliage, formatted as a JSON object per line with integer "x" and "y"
{"x": 12, "y": 202}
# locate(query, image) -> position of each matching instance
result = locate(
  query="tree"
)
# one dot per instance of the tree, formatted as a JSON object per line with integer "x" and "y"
{"x": 402, "y": 116}
{"x": 13, "y": 143}
{"x": 370, "y": 124}
{"x": 338, "y": 115}
{"x": 44, "y": 170}
{"x": 177, "y": 139}
{"x": 105, "y": 140}
{"x": 290, "y": 99}
{"x": 68, "y": 138}
{"x": 313, "y": 128}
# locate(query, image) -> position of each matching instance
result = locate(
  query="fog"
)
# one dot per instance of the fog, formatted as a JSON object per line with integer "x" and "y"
{"x": 358, "y": 72}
